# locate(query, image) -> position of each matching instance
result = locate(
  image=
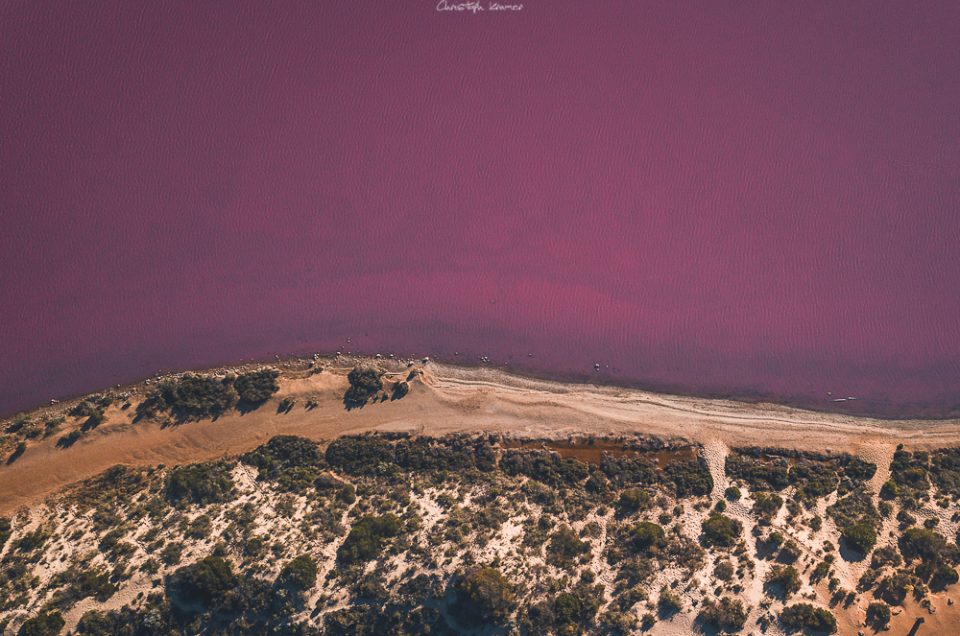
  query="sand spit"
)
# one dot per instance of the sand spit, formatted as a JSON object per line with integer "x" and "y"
{"x": 447, "y": 399}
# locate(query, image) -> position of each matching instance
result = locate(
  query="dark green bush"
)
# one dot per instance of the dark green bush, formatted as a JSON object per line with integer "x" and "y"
{"x": 647, "y": 537}
{"x": 80, "y": 583}
{"x": 544, "y": 466}
{"x": 299, "y": 574}
{"x": 255, "y": 387}
{"x": 766, "y": 505}
{"x": 110, "y": 488}
{"x": 575, "y": 610}
{"x": 908, "y": 476}
{"x": 365, "y": 383}
{"x": 43, "y": 624}
{"x": 68, "y": 440}
{"x": 893, "y": 589}
{"x": 921, "y": 543}
{"x": 482, "y": 597}
{"x": 804, "y": 616}
{"x": 199, "y": 484}
{"x": 726, "y": 614}
{"x": 367, "y": 538}
{"x": 382, "y": 455}
{"x": 813, "y": 474}
{"x": 720, "y": 531}
{"x": 565, "y": 548}
{"x": 887, "y": 555}
{"x": 783, "y": 581}
{"x": 943, "y": 577}
{"x": 690, "y": 478}
{"x": 201, "y": 585}
{"x": 860, "y": 537}
{"x": 190, "y": 397}
{"x": 400, "y": 390}
{"x": 293, "y": 462}
{"x": 631, "y": 500}
{"x": 855, "y": 508}
{"x": 878, "y": 616}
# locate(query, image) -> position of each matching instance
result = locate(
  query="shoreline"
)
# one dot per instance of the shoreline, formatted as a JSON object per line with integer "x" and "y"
{"x": 747, "y": 397}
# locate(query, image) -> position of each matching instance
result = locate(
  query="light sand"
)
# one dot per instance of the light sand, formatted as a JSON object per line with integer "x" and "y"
{"x": 450, "y": 399}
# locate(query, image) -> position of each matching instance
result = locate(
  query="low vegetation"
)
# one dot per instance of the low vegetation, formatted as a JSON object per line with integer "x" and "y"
{"x": 400, "y": 534}
{"x": 724, "y": 614}
{"x": 365, "y": 384}
{"x": 195, "y": 396}
{"x": 809, "y": 618}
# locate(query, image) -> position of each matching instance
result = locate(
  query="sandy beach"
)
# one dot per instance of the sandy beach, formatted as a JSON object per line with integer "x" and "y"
{"x": 447, "y": 399}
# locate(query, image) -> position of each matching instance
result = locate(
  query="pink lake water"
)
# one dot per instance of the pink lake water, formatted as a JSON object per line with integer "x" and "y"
{"x": 759, "y": 199}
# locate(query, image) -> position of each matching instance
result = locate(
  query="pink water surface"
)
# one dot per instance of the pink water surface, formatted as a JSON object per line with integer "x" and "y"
{"x": 756, "y": 198}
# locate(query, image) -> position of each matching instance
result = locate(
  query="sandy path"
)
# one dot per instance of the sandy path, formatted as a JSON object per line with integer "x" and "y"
{"x": 451, "y": 399}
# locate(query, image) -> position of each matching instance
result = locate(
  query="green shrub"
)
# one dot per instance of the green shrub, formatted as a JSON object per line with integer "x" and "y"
{"x": 690, "y": 478}
{"x": 545, "y": 466}
{"x": 668, "y": 603}
{"x": 633, "y": 499}
{"x": 190, "y": 397}
{"x": 400, "y": 390}
{"x": 783, "y": 580}
{"x": 95, "y": 419}
{"x": 199, "y": 484}
{"x": 255, "y": 387}
{"x": 878, "y": 616}
{"x": 482, "y": 597}
{"x": 80, "y": 583}
{"x": 646, "y": 537}
{"x": 790, "y": 552}
{"x": 726, "y": 614}
{"x": 921, "y": 543}
{"x": 720, "y": 531}
{"x": 43, "y": 624}
{"x": 887, "y": 555}
{"x": 732, "y": 493}
{"x": 943, "y": 577}
{"x": 856, "y": 507}
{"x": 293, "y": 462}
{"x": 365, "y": 383}
{"x": 204, "y": 583}
{"x": 566, "y": 548}
{"x": 813, "y": 474}
{"x": 367, "y": 537}
{"x": 68, "y": 440}
{"x": 573, "y": 611}
{"x": 766, "y": 505}
{"x": 860, "y": 537}
{"x": 171, "y": 553}
{"x": 360, "y": 454}
{"x": 371, "y": 454}
{"x": 804, "y": 616}
{"x": 893, "y": 589}
{"x": 299, "y": 574}
{"x": 109, "y": 489}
